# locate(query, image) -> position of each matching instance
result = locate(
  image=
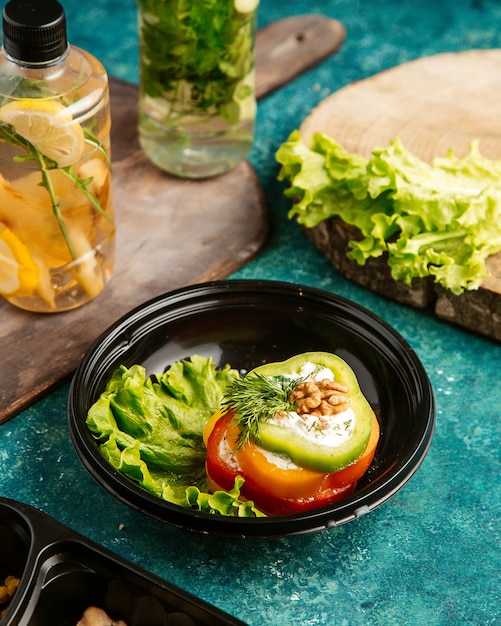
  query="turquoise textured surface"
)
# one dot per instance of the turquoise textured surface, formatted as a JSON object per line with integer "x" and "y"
{"x": 431, "y": 555}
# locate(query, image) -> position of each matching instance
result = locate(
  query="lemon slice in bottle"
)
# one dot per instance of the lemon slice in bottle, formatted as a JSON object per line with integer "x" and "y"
{"x": 49, "y": 126}
{"x": 19, "y": 275}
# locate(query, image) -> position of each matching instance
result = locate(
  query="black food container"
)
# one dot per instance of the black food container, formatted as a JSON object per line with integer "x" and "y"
{"x": 62, "y": 573}
{"x": 246, "y": 323}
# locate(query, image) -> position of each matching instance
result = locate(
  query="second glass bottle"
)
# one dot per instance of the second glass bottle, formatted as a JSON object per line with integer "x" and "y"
{"x": 197, "y": 104}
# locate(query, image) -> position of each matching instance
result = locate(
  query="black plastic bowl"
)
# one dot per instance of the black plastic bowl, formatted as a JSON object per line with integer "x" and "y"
{"x": 248, "y": 323}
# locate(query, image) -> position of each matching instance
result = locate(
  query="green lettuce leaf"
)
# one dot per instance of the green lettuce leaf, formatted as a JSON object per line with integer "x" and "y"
{"x": 150, "y": 429}
{"x": 441, "y": 219}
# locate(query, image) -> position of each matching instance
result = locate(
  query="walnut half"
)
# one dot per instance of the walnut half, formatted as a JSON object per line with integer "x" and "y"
{"x": 325, "y": 397}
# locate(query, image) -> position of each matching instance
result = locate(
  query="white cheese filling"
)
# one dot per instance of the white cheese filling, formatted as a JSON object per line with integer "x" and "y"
{"x": 226, "y": 454}
{"x": 312, "y": 373}
{"x": 327, "y": 430}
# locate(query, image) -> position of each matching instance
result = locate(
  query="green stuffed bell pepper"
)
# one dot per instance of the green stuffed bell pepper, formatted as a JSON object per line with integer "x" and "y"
{"x": 310, "y": 409}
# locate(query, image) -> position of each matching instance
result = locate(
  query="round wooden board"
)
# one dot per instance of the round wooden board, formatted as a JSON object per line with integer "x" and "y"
{"x": 434, "y": 104}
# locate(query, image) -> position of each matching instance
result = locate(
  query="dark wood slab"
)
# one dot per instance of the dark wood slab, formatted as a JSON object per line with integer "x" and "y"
{"x": 434, "y": 104}
{"x": 171, "y": 232}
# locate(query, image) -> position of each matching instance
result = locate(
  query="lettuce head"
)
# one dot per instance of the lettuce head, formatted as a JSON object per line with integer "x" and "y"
{"x": 441, "y": 219}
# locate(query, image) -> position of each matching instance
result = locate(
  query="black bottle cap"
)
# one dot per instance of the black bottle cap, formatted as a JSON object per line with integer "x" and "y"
{"x": 34, "y": 31}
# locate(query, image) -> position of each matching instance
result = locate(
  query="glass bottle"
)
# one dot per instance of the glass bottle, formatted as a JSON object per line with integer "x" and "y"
{"x": 57, "y": 232}
{"x": 197, "y": 104}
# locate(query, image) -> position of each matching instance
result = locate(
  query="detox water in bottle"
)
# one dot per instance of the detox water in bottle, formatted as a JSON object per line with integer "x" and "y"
{"x": 197, "y": 103}
{"x": 57, "y": 233}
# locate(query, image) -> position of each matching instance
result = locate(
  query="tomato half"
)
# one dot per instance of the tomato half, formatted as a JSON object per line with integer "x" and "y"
{"x": 276, "y": 490}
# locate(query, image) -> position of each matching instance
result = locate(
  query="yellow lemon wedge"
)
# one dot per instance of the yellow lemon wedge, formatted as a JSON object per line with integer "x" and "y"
{"x": 49, "y": 126}
{"x": 19, "y": 275}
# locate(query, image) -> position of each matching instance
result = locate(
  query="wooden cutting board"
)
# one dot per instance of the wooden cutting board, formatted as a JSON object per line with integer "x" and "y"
{"x": 171, "y": 232}
{"x": 434, "y": 104}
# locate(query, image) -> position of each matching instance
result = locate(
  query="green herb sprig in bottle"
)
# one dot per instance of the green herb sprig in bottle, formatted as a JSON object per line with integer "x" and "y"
{"x": 197, "y": 103}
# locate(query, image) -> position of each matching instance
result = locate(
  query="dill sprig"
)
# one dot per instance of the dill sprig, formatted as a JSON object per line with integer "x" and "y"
{"x": 255, "y": 398}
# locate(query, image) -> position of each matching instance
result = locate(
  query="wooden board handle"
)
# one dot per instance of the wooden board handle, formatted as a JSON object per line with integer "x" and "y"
{"x": 288, "y": 48}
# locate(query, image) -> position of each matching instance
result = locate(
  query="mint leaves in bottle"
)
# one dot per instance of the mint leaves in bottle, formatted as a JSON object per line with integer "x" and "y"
{"x": 197, "y": 103}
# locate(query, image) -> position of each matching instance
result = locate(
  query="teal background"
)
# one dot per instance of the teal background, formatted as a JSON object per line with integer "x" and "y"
{"x": 431, "y": 555}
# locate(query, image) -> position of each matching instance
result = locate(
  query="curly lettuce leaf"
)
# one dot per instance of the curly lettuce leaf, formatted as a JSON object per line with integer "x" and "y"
{"x": 150, "y": 429}
{"x": 441, "y": 219}
{"x": 223, "y": 502}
